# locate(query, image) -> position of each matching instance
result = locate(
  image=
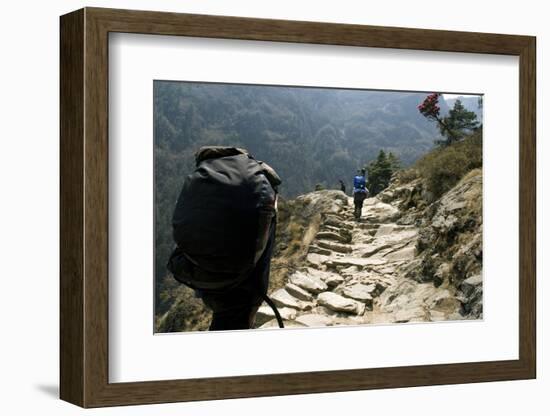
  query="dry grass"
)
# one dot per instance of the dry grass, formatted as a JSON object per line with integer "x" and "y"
{"x": 443, "y": 167}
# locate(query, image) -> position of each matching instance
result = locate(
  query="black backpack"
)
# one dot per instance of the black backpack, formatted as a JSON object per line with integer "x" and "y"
{"x": 222, "y": 218}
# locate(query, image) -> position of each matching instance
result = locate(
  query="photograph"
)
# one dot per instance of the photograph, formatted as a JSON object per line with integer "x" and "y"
{"x": 335, "y": 206}
{"x": 298, "y": 206}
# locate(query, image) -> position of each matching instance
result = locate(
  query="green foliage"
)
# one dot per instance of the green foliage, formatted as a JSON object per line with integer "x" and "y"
{"x": 319, "y": 187}
{"x": 443, "y": 167}
{"x": 458, "y": 124}
{"x": 380, "y": 171}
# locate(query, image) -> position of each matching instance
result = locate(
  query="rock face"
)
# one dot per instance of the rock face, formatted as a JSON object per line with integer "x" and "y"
{"x": 402, "y": 262}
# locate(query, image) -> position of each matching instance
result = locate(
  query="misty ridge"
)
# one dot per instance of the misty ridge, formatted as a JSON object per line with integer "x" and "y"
{"x": 309, "y": 135}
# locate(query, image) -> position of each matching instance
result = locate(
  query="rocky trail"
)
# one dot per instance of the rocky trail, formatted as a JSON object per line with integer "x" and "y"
{"x": 356, "y": 272}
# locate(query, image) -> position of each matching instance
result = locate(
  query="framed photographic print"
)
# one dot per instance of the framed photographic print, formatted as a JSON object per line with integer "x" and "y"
{"x": 255, "y": 207}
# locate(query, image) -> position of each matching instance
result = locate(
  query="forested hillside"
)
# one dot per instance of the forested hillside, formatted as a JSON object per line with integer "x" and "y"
{"x": 309, "y": 135}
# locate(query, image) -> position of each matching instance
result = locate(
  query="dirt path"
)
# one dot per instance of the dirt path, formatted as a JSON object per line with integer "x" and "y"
{"x": 356, "y": 273}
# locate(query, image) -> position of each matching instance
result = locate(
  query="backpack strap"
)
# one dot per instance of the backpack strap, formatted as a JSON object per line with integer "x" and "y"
{"x": 274, "y": 308}
{"x": 270, "y": 174}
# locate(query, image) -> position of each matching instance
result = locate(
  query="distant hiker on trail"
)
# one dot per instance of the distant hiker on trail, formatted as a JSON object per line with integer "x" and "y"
{"x": 360, "y": 192}
{"x": 342, "y": 186}
{"x": 224, "y": 228}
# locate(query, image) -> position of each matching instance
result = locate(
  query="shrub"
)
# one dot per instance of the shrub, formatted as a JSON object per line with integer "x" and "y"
{"x": 443, "y": 167}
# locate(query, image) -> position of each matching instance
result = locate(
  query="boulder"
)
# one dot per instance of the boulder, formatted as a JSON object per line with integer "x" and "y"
{"x": 340, "y": 303}
{"x": 330, "y": 278}
{"x": 310, "y": 283}
{"x": 443, "y": 301}
{"x": 282, "y": 298}
{"x": 381, "y": 211}
{"x": 316, "y": 260}
{"x": 298, "y": 292}
{"x": 442, "y": 273}
{"x": 443, "y": 223}
{"x": 472, "y": 289}
{"x": 349, "y": 271}
{"x": 265, "y": 313}
{"x": 469, "y": 285}
{"x": 362, "y": 293}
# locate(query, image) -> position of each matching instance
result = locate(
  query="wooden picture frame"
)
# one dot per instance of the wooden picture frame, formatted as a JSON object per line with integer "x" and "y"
{"x": 84, "y": 207}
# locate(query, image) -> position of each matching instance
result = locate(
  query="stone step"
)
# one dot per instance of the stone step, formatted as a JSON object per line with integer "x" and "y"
{"x": 331, "y": 279}
{"x": 319, "y": 250}
{"x": 403, "y": 254}
{"x": 336, "y": 215}
{"x": 298, "y": 292}
{"x": 265, "y": 313}
{"x": 372, "y": 249}
{"x": 340, "y": 303}
{"x": 368, "y": 225}
{"x": 338, "y": 223}
{"x": 325, "y": 227}
{"x": 329, "y": 235}
{"x": 282, "y": 299}
{"x": 317, "y": 260}
{"x": 311, "y": 284}
{"x": 340, "y": 248}
{"x": 354, "y": 261}
{"x": 361, "y": 293}
{"x": 392, "y": 228}
{"x": 314, "y": 320}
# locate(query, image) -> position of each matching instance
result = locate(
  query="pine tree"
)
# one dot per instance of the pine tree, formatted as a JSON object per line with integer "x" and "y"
{"x": 380, "y": 171}
{"x": 458, "y": 124}
{"x": 394, "y": 161}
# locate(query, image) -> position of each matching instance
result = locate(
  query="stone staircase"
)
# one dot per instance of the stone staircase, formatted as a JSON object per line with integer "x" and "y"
{"x": 355, "y": 273}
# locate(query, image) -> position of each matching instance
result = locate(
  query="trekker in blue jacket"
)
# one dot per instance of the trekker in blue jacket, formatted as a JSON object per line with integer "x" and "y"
{"x": 360, "y": 192}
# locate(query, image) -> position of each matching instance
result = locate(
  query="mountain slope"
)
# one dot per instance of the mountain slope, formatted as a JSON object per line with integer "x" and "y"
{"x": 309, "y": 135}
{"x": 408, "y": 260}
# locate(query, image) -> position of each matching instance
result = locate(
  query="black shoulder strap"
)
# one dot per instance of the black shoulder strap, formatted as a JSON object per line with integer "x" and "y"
{"x": 274, "y": 308}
